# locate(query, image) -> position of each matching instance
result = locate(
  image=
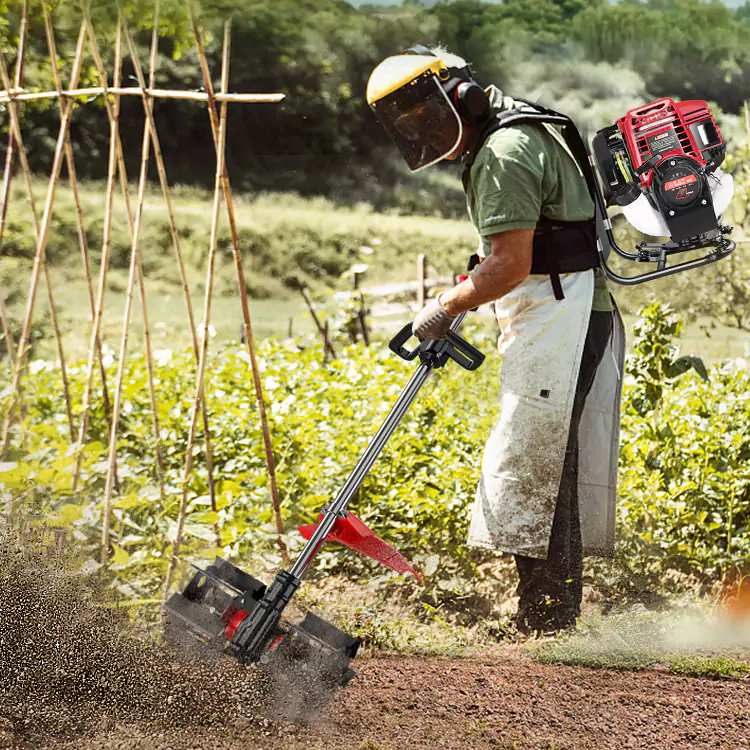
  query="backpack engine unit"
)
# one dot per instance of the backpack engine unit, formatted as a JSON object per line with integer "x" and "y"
{"x": 661, "y": 164}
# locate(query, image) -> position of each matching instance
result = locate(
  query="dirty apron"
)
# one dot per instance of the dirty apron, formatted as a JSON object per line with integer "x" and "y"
{"x": 541, "y": 343}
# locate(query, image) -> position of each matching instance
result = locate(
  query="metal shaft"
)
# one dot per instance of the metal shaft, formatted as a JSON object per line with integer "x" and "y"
{"x": 365, "y": 463}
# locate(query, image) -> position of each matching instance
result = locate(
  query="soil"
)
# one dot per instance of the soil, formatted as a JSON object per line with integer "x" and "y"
{"x": 73, "y": 674}
{"x": 503, "y": 700}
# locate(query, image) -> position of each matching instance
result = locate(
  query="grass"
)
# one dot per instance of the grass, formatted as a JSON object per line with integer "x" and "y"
{"x": 282, "y": 236}
{"x": 384, "y": 625}
{"x": 694, "y": 642}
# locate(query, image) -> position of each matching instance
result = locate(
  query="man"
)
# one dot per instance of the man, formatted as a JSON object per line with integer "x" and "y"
{"x": 528, "y": 198}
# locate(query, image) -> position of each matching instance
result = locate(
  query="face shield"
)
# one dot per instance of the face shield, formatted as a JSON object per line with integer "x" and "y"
{"x": 421, "y": 120}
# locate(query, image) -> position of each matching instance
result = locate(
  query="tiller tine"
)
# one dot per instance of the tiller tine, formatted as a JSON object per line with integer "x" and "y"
{"x": 353, "y": 532}
{"x": 222, "y": 603}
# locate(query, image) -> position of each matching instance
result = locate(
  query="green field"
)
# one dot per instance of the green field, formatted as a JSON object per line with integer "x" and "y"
{"x": 283, "y": 237}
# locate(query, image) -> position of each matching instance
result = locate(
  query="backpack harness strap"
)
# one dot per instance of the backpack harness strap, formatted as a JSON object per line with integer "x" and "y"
{"x": 559, "y": 246}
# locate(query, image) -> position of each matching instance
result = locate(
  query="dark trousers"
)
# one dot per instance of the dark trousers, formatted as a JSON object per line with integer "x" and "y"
{"x": 550, "y": 590}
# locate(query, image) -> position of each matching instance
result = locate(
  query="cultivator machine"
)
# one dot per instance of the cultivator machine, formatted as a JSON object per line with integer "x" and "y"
{"x": 228, "y": 610}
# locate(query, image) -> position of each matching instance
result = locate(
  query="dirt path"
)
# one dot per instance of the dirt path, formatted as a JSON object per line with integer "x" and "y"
{"x": 503, "y": 700}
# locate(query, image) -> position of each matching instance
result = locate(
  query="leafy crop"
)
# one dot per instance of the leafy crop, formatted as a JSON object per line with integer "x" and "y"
{"x": 685, "y": 477}
{"x": 322, "y": 416}
{"x": 684, "y": 492}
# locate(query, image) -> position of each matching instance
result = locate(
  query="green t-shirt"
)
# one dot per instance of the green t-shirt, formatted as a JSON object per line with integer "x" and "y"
{"x": 523, "y": 172}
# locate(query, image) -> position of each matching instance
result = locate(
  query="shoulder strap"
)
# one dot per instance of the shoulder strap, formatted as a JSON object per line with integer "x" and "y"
{"x": 530, "y": 113}
{"x": 565, "y": 250}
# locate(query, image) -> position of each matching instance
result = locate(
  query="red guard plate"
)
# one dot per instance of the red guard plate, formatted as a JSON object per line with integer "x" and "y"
{"x": 352, "y": 532}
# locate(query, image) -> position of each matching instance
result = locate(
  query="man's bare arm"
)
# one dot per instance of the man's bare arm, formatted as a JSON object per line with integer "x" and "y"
{"x": 499, "y": 273}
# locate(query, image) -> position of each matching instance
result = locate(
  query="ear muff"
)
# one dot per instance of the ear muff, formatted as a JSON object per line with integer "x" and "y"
{"x": 471, "y": 102}
{"x": 469, "y": 98}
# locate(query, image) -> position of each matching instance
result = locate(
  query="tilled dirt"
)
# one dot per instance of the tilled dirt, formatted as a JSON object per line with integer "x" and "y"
{"x": 73, "y": 675}
{"x": 500, "y": 701}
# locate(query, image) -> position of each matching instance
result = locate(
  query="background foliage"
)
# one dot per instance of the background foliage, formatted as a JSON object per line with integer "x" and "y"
{"x": 592, "y": 58}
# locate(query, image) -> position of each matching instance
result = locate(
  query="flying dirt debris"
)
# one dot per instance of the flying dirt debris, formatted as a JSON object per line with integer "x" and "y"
{"x": 70, "y": 659}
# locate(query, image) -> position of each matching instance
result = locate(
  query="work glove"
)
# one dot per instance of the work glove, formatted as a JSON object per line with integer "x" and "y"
{"x": 432, "y": 322}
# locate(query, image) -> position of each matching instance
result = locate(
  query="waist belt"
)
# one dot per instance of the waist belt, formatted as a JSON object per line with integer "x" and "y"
{"x": 563, "y": 247}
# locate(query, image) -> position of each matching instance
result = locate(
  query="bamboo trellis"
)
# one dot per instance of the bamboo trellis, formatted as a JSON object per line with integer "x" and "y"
{"x": 13, "y": 97}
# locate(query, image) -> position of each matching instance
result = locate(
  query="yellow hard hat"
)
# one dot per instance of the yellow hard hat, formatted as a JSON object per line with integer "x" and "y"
{"x": 406, "y": 93}
{"x": 402, "y": 70}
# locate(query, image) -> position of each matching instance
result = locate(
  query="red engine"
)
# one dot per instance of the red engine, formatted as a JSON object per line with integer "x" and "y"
{"x": 660, "y": 164}
{"x": 668, "y": 128}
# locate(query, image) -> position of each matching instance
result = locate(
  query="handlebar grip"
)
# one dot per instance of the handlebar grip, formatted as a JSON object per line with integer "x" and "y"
{"x": 396, "y": 344}
{"x": 451, "y": 347}
{"x": 463, "y": 353}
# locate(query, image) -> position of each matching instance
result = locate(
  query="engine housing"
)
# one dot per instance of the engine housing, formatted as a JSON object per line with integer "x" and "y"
{"x": 660, "y": 163}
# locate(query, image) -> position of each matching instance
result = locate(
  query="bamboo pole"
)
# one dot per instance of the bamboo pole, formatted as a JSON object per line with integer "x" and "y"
{"x": 80, "y": 226}
{"x": 112, "y": 112}
{"x": 141, "y": 278}
{"x": 135, "y": 273}
{"x": 21, "y": 95}
{"x": 8, "y": 171}
{"x": 113, "y": 116}
{"x": 139, "y": 266}
{"x": 248, "y": 328}
{"x": 50, "y": 295}
{"x": 42, "y": 237}
{"x": 7, "y": 335}
{"x": 148, "y": 110}
{"x": 7, "y": 177}
{"x": 106, "y": 242}
{"x": 200, "y": 377}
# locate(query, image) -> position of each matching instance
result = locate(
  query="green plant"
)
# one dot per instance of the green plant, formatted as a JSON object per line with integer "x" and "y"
{"x": 684, "y": 489}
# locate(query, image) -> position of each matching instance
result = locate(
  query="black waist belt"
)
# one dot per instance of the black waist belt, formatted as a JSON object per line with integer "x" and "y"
{"x": 564, "y": 247}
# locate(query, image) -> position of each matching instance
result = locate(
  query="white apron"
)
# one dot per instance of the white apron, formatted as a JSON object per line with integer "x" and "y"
{"x": 541, "y": 343}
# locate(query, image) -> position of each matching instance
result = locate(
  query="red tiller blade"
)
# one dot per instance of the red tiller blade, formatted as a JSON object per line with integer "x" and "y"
{"x": 352, "y": 532}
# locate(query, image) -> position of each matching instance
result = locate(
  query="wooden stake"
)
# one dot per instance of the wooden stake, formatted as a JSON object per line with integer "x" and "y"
{"x": 148, "y": 110}
{"x": 362, "y": 316}
{"x": 7, "y": 335}
{"x": 81, "y": 228}
{"x": 141, "y": 278}
{"x": 113, "y": 115}
{"x": 106, "y": 242}
{"x": 42, "y": 237}
{"x": 135, "y": 272}
{"x": 21, "y": 95}
{"x": 421, "y": 279}
{"x": 250, "y": 340}
{"x": 7, "y": 177}
{"x": 327, "y": 345}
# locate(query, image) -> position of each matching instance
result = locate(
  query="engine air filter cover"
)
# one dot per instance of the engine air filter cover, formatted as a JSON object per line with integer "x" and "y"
{"x": 681, "y": 183}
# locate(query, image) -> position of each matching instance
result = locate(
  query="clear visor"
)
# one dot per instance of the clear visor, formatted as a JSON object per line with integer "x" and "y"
{"x": 422, "y": 121}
